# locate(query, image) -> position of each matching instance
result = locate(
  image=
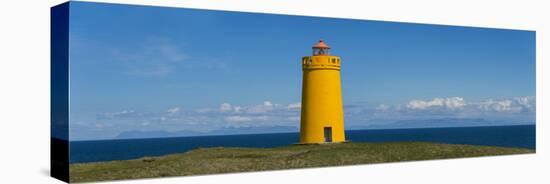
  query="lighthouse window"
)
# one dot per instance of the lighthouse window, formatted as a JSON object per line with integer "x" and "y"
{"x": 333, "y": 60}
{"x": 320, "y": 51}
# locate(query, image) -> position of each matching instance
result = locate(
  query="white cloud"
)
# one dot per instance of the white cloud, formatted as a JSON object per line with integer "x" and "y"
{"x": 383, "y": 107}
{"x": 499, "y": 106}
{"x": 268, "y": 113}
{"x": 449, "y": 103}
{"x": 237, "y": 109}
{"x": 293, "y": 118}
{"x": 228, "y": 108}
{"x": 119, "y": 114}
{"x": 521, "y": 109}
{"x": 513, "y": 105}
{"x": 297, "y": 105}
{"x": 258, "y": 109}
{"x": 275, "y": 114}
{"x": 459, "y": 105}
{"x": 225, "y": 107}
{"x": 525, "y": 101}
{"x": 263, "y": 108}
{"x": 123, "y": 112}
{"x": 205, "y": 110}
{"x": 239, "y": 119}
{"x": 173, "y": 110}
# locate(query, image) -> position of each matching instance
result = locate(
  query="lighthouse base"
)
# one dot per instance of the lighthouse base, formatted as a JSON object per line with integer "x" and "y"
{"x": 323, "y": 143}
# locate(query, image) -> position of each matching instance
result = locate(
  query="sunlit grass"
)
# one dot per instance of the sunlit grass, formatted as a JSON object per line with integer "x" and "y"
{"x": 225, "y": 159}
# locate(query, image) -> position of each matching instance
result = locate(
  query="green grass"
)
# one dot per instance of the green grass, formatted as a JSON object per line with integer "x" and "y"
{"x": 225, "y": 159}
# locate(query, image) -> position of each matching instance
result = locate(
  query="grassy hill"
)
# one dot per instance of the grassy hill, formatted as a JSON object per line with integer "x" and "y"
{"x": 225, "y": 159}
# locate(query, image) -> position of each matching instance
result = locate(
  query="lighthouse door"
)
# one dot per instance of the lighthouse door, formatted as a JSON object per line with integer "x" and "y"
{"x": 328, "y": 134}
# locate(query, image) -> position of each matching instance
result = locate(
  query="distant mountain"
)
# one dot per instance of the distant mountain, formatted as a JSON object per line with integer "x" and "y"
{"x": 440, "y": 122}
{"x": 222, "y": 131}
{"x": 254, "y": 130}
{"x": 136, "y": 134}
{"x": 422, "y": 123}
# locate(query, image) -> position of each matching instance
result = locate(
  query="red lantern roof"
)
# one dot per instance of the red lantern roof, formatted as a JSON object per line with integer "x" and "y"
{"x": 321, "y": 45}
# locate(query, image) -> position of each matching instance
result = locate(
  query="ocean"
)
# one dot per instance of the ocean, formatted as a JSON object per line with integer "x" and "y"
{"x": 520, "y": 136}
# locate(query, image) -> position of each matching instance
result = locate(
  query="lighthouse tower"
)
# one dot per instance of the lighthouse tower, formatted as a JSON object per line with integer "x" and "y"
{"x": 322, "y": 117}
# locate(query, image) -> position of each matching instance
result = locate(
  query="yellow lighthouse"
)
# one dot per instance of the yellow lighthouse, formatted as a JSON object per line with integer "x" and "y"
{"x": 322, "y": 117}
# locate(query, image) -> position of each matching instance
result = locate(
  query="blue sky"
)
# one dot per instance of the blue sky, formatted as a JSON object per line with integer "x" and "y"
{"x": 155, "y": 68}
